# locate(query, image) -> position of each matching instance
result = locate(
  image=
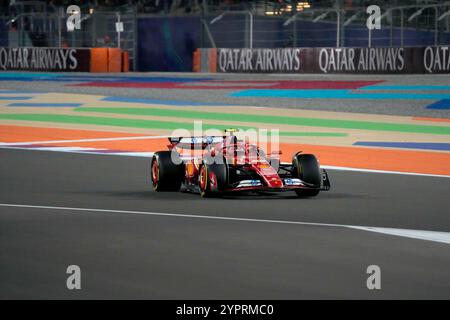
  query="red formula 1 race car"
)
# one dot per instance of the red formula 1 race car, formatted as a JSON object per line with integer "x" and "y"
{"x": 215, "y": 165}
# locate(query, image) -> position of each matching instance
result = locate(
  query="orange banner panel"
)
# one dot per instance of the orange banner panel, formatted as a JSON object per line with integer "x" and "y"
{"x": 125, "y": 61}
{"x": 114, "y": 60}
{"x": 99, "y": 60}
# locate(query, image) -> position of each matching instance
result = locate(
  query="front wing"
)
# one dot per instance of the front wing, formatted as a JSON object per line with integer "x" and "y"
{"x": 289, "y": 184}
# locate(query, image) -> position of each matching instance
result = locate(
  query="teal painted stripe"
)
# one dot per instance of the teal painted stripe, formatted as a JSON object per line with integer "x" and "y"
{"x": 407, "y": 88}
{"x": 44, "y": 105}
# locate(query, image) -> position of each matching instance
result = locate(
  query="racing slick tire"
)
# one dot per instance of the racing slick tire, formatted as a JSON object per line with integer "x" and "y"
{"x": 165, "y": 174}
{"x": 306, "y": 168}
{"x": 212, "y": 179}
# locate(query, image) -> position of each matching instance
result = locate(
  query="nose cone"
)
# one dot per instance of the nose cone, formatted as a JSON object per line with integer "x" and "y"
{"x": 270, "y": 176}
{"x": 275, "y": 182}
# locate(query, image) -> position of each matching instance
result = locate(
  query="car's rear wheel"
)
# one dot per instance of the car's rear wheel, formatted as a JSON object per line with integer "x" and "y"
{"x": 166, "y": 174}
{"x": 306, "y": 168}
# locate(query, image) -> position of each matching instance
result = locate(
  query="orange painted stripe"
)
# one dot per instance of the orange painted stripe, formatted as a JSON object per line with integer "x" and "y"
{"x": 149, "y": 145}
{"x": 10, "y": 133}
{"x": 375, "y": 159}
{"x": 354, "y": 157}
{"x": 431, "y": 119}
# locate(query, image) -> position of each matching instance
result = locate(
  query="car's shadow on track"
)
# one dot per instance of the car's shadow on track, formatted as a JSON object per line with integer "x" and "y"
{"x": 146, "y": 195}
{"x": 340, "y": 195}
{"x": 186, "y": 195}
{"x": 282, "y": 196}
{"x": 183, "y": 196}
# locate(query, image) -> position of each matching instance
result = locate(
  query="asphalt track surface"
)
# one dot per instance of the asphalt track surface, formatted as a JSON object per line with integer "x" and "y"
{"x": 156, "y": 256}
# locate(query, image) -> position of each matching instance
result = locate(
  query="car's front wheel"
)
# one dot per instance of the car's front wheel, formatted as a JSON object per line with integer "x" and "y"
{"x": 204, "y": 182}
{"x": 213, "y": 179}
{"x": 306, "y": 168}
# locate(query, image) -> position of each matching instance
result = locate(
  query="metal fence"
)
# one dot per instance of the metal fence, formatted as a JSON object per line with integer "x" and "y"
{"x": 170, "y": 40}
{"x": 49, "y": 30}
{"x": 413, "y": 25}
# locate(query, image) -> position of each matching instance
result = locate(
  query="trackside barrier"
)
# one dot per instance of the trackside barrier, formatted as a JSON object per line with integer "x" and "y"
{"x": 64, "y": 59}
{"x": 363, "y": 60}
{"x": 99, "y": 60}
{"x": 196, "y": 60}
{"x": 114, "y": 60}
{"x": 125, "y": 61}
{"x": 205, "y": 60}
{"x": 109, "y": 60}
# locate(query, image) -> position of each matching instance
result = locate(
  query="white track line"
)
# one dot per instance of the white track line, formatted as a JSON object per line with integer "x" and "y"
{"x": 384, "y": 171}
{"x": 80, "y": 140}
{"x": 87, "y": 150}
{"x": 435, "y": 236}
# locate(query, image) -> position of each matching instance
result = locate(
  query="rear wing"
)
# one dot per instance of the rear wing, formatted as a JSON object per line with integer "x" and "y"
{"x": 201, "y": 142}
{"x": 195, "y": 142}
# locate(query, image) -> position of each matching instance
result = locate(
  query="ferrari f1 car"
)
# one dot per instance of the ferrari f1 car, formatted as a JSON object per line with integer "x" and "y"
{"x": 215, "y": 165}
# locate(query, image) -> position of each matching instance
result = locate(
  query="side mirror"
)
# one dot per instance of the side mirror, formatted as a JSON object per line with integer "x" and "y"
{"x": 274, "y": 158}
{"x": 276, "y": 153}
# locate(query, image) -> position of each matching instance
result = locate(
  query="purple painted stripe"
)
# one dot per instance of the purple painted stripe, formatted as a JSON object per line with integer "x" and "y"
{"x": 105, "y": 151}
{"x": 406, "y": 145}
{"x": 440, "y": 105}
